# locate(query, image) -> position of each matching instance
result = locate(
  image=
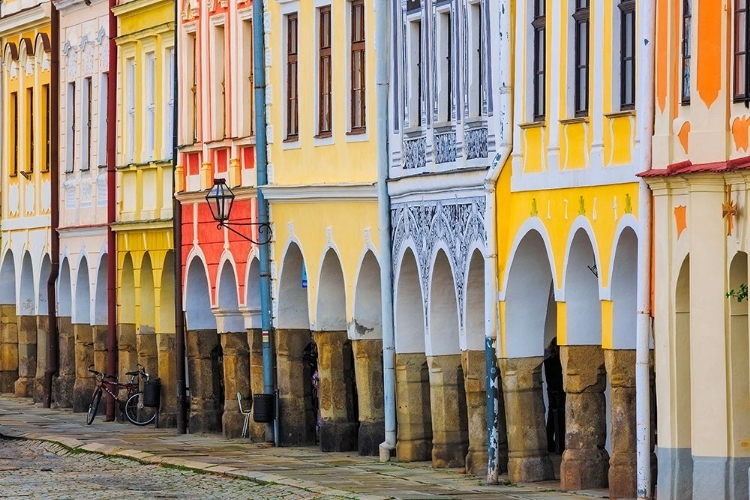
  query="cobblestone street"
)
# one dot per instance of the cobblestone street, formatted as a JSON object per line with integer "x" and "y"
{"x": 32, "y": 469}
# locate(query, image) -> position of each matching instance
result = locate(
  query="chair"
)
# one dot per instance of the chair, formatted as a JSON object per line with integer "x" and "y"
{"x": 246, "y": 425}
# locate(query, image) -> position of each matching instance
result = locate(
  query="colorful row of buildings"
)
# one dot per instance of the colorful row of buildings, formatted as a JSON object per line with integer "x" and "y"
{"x": 452, "y": 186}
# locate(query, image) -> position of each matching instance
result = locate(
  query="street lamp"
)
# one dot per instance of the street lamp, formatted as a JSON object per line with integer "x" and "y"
{"x": 220, "y": 200}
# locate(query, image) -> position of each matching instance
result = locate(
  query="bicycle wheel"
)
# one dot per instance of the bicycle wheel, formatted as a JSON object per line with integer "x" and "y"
{"x": 136, "y": 412}
{"x": 94, "y": 406}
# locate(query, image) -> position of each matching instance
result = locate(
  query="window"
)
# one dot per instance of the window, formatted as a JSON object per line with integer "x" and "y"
{"x": 87, "y": 91}
{"x": 193, "y": 97}
{"x": 357, "y": 61}
{"x": 476, "y": 83}
{"x": 46, "y": 130}
{"x": 130, "y": 106}
{"x": 102, "y": 132}
{"x": 444, "y": 66}
{"x": 150, "y": 108}
{"x": 627, "y": 54}
{"x": 539, "y": 27}
{"x": 292, "y": 111}
{"x": 687, "y": 15}
{"x": 741, "y": 49}
{"x": 14, "y": 128}
{"x": 169, "y": 102}
{"x": 324, "y": 71}
{"x": 581, "y": 22}
{"x": 247, "y": 84}
{"x": 415, "y": 73}
{"x": 70, "y": 132}
{"x": 219, "y": 87}
{"x": 31, "y": 127}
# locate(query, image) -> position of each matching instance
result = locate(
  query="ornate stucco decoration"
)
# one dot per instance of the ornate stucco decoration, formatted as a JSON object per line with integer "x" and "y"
{"x": 414, "y": 153}
{"x": 476, "y": 143}
{"x": 445, "y": 147}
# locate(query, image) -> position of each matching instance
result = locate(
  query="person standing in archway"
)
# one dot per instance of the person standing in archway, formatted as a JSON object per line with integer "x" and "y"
{"x": 555, "y": 397}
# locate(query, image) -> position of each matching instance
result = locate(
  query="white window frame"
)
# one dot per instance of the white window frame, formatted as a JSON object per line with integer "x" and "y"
{"x": 476, "y": 83}
{"x": 219, "y": 88}
{"x": 130, "y": 108}
{"x": 70, "y": 126}
{"x": 86, "y": 123}
{"x": 102, "y": 131}
{"x": 358, "y": 136}
{"x": 286, "y": 10}
{"x": 246, "y": 75}
{"x": 169, "y": 101}
{"x": 444, "y": 69}
{"x": 150, "y": 94}
{"x": 414, "y": 43}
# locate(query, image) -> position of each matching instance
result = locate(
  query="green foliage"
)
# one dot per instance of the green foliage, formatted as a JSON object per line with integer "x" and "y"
{"x": 740, "y": 294}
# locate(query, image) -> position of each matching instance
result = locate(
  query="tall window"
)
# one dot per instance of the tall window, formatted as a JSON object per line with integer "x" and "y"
{"x": 324, "y": 71}
{"x": 539, "y": 25}
{"x": 31, "y": 127}
{"x": 476, "y": 78}
{"x": 150, "y": 107}
{"x": 219, "y": 84}
{"x": 193, "y": 107}
{"x": 357, "y": 60}
{"x": 47, "y": 130}
{"x": 87, "y": 91}
{"x": 581, "y": 21}
{"x": 169, "y": 104}
{"x": 70, "y": 132}
{"x": 103, "y": 97}
{"x": 14, "y": 133}
{"x": 415, "y": 73}
{"x": 445, "y": 66}
{"x": 130, "y": 104}
{"x": 627, "y": 54}
{"x": 292, "y": 111}
{"x": 687, "y": 14}
{"x": 741, "y": 50}
{"x": 248, "y": 85}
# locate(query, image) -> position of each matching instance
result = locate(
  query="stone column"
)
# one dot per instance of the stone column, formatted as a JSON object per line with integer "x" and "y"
{"x": 64, "y": 383}
{"x": 622, "y": 465}
{"x": 84, "y": 356}
{"x": 205, "y": 401}
{"x": 528, "y": 459}
{"x": 24, "y": 385}
{"x": 127, "y": 349}
{"x": 166, "y": 370}
{"x": 8, "y": 347}
{"x": 147, "y": 352}
{"x": 100, "y": 347}
{"x": 368, "y": 368}
{"x": 585, "y": 462}
{"x": 413, "y": 412}
{"x": 297, "y": 426}
{"x": 255, "y": 344}
{"x": 473, "y": 363}
{"x": 236, "y": 378}
{"x": 450, "y": 433}
{"x": 338, "y": 430}
{"x": 42, "y": 339}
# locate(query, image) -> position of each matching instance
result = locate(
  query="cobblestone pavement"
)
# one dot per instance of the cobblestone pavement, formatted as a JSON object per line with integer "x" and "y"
{"x": 33, "y": 469}
{"x": 242, "y": 468}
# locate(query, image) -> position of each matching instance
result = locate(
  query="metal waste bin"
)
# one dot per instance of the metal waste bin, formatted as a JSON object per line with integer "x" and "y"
{"x": 263, "y": 408}
{"x": 152, "y": 393}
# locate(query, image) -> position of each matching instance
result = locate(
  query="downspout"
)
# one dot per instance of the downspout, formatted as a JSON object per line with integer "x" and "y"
{"x": 645, "y": 117}
{"x": 53, "y": 348}
{"x": 259, "y": 75}
{"x": 111, "y": 206}
{"x": 382, "y": 31}
{"x": 491, "y": 282}
{"x": 179, "y": 317}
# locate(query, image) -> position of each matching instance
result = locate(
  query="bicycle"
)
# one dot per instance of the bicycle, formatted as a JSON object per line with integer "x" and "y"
{"x": 132, "y": 406}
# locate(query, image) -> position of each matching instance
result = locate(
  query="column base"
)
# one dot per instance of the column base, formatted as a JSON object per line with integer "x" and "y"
{"x": 338, "y": 436}
{"x": 62, "y": 390}
{"x": 371, "y": 434}
{"x": 530, "y": 469}
{"x": 583, "y": 469}
{"x": 83, "y": 388}
{"x": 24, "y": 387}
{"x": 231, "y": 422}
{"x": 622, "y": 476}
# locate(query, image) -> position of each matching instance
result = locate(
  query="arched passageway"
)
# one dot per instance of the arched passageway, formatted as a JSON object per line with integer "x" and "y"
{"x": 146, "y": 329}
{"x": 63, "y": 385}
{"x": 8, "y": 324}
{"x": 42, "y": 329}
{"x": 127, "y": 344}
{"x": 255, "y": 340}
{"x": 165, "y": 341}
{"x": 27, "y": 330}
{"x": 84, "y": 338}
{"x": 101, "y": 313}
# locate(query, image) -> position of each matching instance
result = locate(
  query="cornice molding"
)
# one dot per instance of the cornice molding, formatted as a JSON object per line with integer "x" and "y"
{"x": 135, "y": 5}
{"x": 141, "y": 225}
{"x": 25, "y": 19}
{"x": 316, "y": 193}
{"x": 193, "y": 197}
{"x": 437, "y": 186}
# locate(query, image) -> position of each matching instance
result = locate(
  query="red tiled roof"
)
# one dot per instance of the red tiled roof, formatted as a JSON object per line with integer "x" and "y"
{"x": 688, "y": 167}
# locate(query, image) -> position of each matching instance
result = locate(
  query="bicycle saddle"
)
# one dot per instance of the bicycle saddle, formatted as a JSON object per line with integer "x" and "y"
{"x": 132, "y": 373}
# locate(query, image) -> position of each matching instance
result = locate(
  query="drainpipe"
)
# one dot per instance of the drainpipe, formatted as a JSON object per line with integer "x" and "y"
{"x": 645, "y": 119}
{"x": 382, "y": 32}
{"x": 259, "y": 73}
{"x": 111, "y": 207}
{"x": 53, "y": 349}
{"x": 505, "y": 140}
{"x": 179, "y": 318}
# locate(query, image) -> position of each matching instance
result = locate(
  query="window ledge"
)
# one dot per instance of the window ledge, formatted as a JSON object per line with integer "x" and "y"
{"x": 573, "y": 121}
{"x": 412, "y": 132}
{"x": 539, "y": 124}
{"x": 619, "y": 114}
{"x": 475, "y": 122}
{"x": 290, "y": 143}
{"x": 323, "y": 140}
{"x": 442, "y": 127}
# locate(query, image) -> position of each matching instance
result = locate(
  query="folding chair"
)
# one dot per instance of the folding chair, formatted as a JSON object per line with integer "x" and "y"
{"x": 246, "y": 425}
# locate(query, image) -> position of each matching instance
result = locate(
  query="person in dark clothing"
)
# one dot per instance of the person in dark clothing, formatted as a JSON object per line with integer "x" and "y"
{"x": 555, "y": 397}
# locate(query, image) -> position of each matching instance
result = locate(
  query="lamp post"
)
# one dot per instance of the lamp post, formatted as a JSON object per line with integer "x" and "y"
{"x": 220, "y": 199}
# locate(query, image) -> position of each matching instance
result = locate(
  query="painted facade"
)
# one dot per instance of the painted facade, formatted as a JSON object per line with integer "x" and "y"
{"x": 323, "y": 204}
{"x": 24, "y": 258}
{"x": 145, "y": 247}
{"x": 221, "y": 270}
{"x": 700, "y": 189}
{"x": 82, "y": 285}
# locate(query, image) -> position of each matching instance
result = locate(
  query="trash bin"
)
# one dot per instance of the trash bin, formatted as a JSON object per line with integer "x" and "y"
{"x": 263, "y": 408}
{"x": 152, "y": 393}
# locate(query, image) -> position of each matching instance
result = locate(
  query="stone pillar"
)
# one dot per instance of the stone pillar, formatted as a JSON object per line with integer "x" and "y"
{"x": 622, "y": 464}
{"x": 450, "y": 436}
{"x": 24, "y": 385}
{"x": 205, "y": 386}
{"x": 413, "y": 411}
{"x": 127, "y": 349}
{"x": 368, "y": 368}
{"x": 8, "y": 347}
{"x": 84, "y": 356}
{"x": 585, "y": 462}
{"x": 474, "y": 366}
{"x": 100, "y": 347}
{"x": 236, "y": 378}
{"x": 255, "y": 345}
{"x": 528, "y": 459}
{"x": 42, "y": 341}
{"x": 297, "y": 426}
{"x": 338, "y": 430}
{"x": 146, "y": 349}
{"x": 166, "y": 371}
{"x": 64, "y": 383}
